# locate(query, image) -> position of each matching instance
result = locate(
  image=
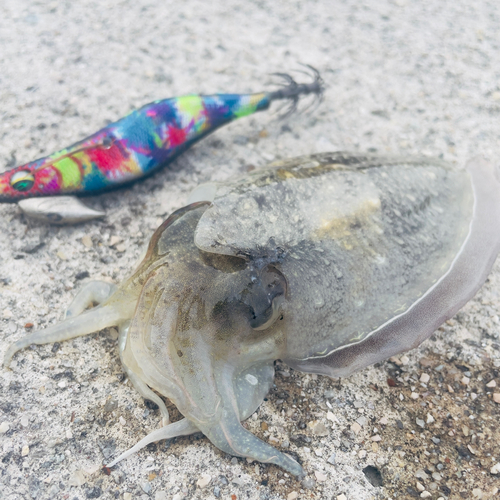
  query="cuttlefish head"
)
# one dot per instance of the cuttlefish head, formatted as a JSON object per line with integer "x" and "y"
{"x": 206, "y": 331}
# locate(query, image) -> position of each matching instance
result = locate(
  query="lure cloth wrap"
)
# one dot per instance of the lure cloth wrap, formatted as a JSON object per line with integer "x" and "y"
{"x": 130, "y": 148}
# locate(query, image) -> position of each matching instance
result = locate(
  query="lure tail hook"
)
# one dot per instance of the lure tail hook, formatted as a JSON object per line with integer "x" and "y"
{"x": 293, "y": 91}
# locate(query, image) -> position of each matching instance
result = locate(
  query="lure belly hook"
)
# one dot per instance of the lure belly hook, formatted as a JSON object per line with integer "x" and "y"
{"x": 133, "y": 147}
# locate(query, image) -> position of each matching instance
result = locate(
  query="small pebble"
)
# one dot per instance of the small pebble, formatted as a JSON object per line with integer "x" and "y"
{"x": 491, "y": 384}
{"x": 114, "y": 240}
{"x": 62, "y": 255}
{"x": 24, "y": 421}
{"x": 355, "y": 427}
{"x": 204, "y": 481}
{"x": 496, "y": 397}
{"x": 362, "y": 454}
{"x": 405, "y": 359}
{"x": 127, "y": 496}
{"x": 435, "y": 440}
{"x": 308, "y": 483}
{"x": 420, "y": 486}
{"x": 495, "y": 469}
{"x": 146, "y": 487}
{"x": 424, "y": 378}
{"x": 330, "y": 416}
{"x": 436, "y": 476}
{"x": 376, "y": 438}
{"x": 4, "y": 427}
{"x": 465, "y": 380}
{"x": 274, "y": 441}
{"x": 25, "y": 450}
{"x": 430, "y": 418}
{"x": 425, "y": 494}
{"x": 383, "y": 421}
{"x": 426, "y": 362}
{"x": 87, "y": 241}
{"x": 420, "y": 474}
{"x": 341, "y": 497}
{"x": 292, "y": 495}
{"x": 477, "y": 493}
{"x": 78, "y": 479}
{"x": 414, "y": 395}
{"x": 361, "y": 421}
{"x": 331, "y": 459}
{"x": 420, "y": 422}
{"x": 113, "y": 334}
{"x": 161, "y": 495}
{"x": 319, "y": 429}
{"x": 320, "y": 476}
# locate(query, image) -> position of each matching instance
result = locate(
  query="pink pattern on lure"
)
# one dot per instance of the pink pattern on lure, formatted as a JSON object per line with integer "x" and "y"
{"x": 138, "y": 144}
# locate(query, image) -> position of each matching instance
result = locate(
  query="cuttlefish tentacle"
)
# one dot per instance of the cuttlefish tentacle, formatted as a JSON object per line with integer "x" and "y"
{"x": 183, "y": 427}
{"x": 93, "y": 292}
{"x": 98, "y": 292}
{"x": 230, "y": 436}
{"x": 88, "y": 322}
{"x": 141, "y": 387}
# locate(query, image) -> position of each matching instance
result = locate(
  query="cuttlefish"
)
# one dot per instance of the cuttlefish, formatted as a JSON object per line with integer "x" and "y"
{"x": 329, "y": 262}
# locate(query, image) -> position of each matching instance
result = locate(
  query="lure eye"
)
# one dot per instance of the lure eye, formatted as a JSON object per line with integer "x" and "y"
{"x": 22, "y": 181}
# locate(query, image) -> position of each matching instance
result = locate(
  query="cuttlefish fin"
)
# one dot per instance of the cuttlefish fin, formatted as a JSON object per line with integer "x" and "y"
{"x": 59, "y": 210}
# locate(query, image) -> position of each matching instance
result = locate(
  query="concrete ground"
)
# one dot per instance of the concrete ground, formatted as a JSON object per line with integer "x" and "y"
{"x": 402, "y": 77}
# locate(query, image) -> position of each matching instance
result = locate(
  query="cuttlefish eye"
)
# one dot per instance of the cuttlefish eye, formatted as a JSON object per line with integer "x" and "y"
{"x": 22, "y": 181}
{"x": 266, "y": 298}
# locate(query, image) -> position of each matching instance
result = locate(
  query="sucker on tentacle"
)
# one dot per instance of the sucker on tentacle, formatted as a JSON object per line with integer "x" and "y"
{"x": 133, "y": 147}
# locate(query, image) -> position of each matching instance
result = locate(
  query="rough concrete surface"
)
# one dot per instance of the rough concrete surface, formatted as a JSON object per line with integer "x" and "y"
{"x": 402, "y": 77}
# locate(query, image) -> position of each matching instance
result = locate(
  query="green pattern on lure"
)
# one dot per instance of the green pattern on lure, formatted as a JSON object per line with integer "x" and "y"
{"x": 138, "y": 144}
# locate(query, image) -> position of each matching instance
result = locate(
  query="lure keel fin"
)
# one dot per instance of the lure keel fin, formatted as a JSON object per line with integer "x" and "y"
{"x": 59, "y": 210}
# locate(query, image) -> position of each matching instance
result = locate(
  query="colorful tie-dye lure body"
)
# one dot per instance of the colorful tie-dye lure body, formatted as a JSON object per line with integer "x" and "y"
{"x": 138, "y": 144}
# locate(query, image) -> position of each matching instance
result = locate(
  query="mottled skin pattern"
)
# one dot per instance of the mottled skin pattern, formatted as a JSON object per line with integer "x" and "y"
{"x": 369, "y": 234}
{"x": 328, "y": 262}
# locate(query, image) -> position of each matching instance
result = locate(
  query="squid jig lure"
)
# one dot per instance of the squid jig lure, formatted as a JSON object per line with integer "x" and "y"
{"x": 131, "y": 148}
